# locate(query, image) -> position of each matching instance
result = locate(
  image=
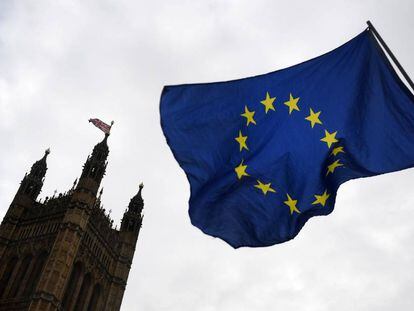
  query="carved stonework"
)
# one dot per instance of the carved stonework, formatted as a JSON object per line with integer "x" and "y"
{"x": 64, "y": 251}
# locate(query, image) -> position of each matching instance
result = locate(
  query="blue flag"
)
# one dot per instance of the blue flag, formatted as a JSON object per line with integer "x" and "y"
{"x": 264, "y": 154}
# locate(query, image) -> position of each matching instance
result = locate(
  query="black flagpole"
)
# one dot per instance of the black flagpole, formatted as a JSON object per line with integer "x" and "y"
{"x": 394, "y": 59}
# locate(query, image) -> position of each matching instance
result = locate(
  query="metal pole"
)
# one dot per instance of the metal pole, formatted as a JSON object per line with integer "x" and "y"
{"x": 394, "y": 59}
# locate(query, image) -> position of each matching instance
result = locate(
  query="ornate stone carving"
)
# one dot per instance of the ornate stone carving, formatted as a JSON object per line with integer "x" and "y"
{"x": 72, "y": 229}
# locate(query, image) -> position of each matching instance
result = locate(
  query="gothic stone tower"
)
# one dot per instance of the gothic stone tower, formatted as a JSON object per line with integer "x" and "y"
{"x": 63, "y": 253}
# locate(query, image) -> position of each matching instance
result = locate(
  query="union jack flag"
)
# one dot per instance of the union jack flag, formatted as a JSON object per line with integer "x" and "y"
{"x": 101, "y": 125}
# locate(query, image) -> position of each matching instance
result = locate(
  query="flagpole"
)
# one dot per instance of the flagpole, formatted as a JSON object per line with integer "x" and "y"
{"x": 110, "y": 127}
{"x": 390, "y": 54}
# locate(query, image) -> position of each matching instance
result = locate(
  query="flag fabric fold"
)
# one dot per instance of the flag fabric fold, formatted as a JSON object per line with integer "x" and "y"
{"x": 264, "y": 154}
{"x": 106, "y": 128}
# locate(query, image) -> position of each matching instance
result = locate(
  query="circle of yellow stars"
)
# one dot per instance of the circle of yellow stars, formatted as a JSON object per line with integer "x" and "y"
{"x": 329, "y": 138}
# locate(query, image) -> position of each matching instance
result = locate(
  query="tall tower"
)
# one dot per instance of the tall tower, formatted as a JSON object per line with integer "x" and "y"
{"x": 64, "y": 254}
{"x": 29, "y": 189}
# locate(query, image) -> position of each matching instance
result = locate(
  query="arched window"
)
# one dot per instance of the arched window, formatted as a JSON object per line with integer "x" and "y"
{"x": 28, "y": 189}
{"x": 92, "y": 172}
{"x": 71, "y": 285}
{"x": 131, "y": 225}
{"x": 83, "y": 292}
{"x": 94, "y": 301}
{"x": 4, "y": 281}
{"x": 35, "y": 274}
{"x": 85, "y": 170}
{"x": 100, "y": 173}
{"x": 20, "y": 275}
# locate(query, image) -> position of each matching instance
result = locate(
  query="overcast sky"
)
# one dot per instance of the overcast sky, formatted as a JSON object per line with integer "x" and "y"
{"x": 62, "y": 62}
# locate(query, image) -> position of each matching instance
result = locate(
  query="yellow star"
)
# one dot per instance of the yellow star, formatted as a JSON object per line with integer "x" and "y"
{"x": 268, "y": 102}
{"x": 241, "y": 170}
{"x": 333, "y": 166}
{"x": 313, "y": 118}
{"x": 242, "y": 141}
{"x": 292, "y": 204}
{"x": 248, "y": 115}
{"x": 337, "y": 150}
{"x": 264, "y": 187}
{"x": 321, "y": 199}
{"x": 292, "y": 103}
{"x": 329, "y": 138}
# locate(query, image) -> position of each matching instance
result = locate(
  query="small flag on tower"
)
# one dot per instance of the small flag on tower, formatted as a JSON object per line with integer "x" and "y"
{"x": 102, "y": 125}
{"x": 265, "y": 154}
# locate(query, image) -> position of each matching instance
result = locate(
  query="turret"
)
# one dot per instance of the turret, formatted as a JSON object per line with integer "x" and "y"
{"x": 94, "y": 168}
{"x": 132, "y": 219}
{"x": 130, "y": 227}
{"x": 32, "y": 183}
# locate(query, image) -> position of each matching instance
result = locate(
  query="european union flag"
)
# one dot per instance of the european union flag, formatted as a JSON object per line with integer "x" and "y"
{"x": 264, "y": 154}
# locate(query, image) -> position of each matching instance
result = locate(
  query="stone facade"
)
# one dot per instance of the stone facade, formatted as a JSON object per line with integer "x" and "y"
{"x": 63, "y": 253}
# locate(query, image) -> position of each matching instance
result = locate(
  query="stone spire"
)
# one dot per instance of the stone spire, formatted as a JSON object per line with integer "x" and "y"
{"x": 137, "y": 203}
{"x": 132, "y": 219}
{"x": 32, "y": 183}
{"x": 95, "y": 167}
